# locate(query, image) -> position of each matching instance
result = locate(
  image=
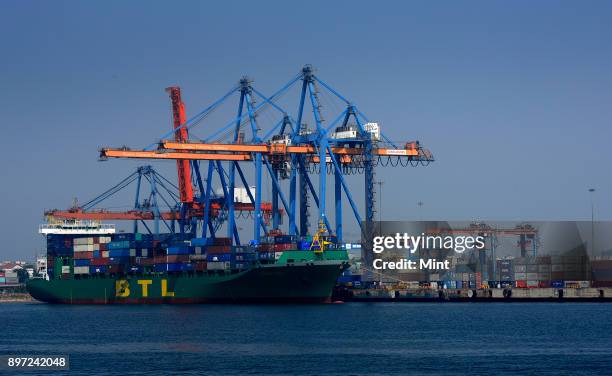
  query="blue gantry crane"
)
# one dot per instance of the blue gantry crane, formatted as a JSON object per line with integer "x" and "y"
{"x": 289, "y": 150}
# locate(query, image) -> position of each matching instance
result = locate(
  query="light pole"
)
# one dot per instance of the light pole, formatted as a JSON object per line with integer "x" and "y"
{"x": 592, "y": 191}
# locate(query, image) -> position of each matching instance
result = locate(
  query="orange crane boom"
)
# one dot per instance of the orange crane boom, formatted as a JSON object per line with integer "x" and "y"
{"x": 183, "y": 166}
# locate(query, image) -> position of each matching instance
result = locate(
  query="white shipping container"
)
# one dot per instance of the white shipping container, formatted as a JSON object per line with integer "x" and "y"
{"x": 218, "y": 265}
{"x": 198, "y": 250}
{"x": 132, "y": 252}
{"x": 520, "y": 268}
{"x": 81, "y": 270}
{"x": 532, "y": 276}
{"x": 80, "y": 248}
{"x": 105, "y": 254}
{"x": 520, "y": 276}
{"x": 277, "y": 255}
{"x": 96, "y": 247}
{"x": 144, "y": 252}
{"x": 197, "y": 257}
{"x": 66, "y": 269}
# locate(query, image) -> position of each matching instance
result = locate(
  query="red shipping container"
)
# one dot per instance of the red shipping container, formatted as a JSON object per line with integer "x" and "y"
{"x": 159, "y": 259}
{"x": 145, "y": 261}
{"x": 83, "y": 255}
{"x": 200, "y": 266}
{"x": 177, "y": 258}
{"x": 96, "y": 240}
{"x": 1, "y": 274}
{"x": 544, "y": 284}
{"x": 284, "y": 247}
{"x": 116, "y": 268}
{"x": 103, "y": 247}
{"x": 99, "y": 261}
{"x": 222, "y": 241}
{"x": 218, "y": 249}
{"x": 522, "y": 284}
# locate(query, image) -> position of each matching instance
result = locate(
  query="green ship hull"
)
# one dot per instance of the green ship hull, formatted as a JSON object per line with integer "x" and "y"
{"x": 308, "y": 279}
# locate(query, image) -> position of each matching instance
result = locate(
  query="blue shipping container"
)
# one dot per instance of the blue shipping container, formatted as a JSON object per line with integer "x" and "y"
{"x": 180, "y": 250}
{"x": 249, "y": 256}
{"x": 199, "y": 242}
{"x": 78, "y": 262}
{"x": 136, "y": 268}
{"x": 118, "y": 260}
{"x": 173, "y": 267}
{"x": 557, "y": 284}
{"x": 97, "y": 269}
{"x": 123, "y": 236}
{"x": 119, "y": 253}
{"x": 266, "y": 255}
{"x": 118, "y": 245}
{"x": 304, "y": 245}
{"x": 219, "y": 257}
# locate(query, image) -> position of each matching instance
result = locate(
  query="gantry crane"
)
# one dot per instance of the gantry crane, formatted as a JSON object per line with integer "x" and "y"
{"x": 350, "y": 144}
{"x": 161, "y": 204}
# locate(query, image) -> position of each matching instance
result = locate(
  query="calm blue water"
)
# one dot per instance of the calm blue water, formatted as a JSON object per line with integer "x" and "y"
{"x": 355, "y": 338}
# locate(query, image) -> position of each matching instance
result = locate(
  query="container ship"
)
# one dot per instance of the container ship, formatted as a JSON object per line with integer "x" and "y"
{"x": 89, "y": 263}
{"x": 192, "y": 263}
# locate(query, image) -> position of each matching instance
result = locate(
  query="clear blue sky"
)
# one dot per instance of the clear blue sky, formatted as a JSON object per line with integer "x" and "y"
{"x": 513, "y": 98}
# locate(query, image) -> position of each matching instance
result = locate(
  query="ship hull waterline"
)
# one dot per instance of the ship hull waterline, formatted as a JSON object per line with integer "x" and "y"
{"x": 297, "y": 283}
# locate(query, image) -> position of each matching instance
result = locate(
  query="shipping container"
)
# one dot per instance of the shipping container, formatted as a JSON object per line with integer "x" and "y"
{"x": 81, "y": 270}
{"x": 215, "y": 257}
{"x": 577, "y": 284}
{"x": 532, "y": 268}
{"x": 520, "y": 276}
{"x": 124, "y": 244}
{"x": 178, "y": 250}
{"x": 557, "y": 284}
{"x": 119, "y": 253}
{"x": 171, "y": 259}
{"x": 544, "y": 284}
{"x": 118, "y": 260}
{"x": 520, "y": 268}
{"x": 218, "y": 265}
{"x": 81, "y": 262}
{"x": 521, "y": 284}
{"x": 83, "y": 255}
{"x": 97, "y": 269}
